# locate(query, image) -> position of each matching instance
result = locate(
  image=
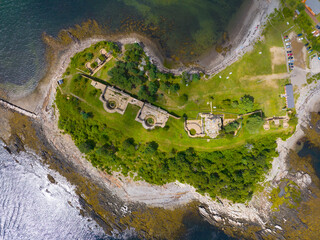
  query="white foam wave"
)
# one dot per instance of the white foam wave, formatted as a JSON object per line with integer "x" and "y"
{"x": 31, "y": 207}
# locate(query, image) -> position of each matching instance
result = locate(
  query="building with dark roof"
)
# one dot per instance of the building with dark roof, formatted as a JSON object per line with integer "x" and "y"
{"x": 289, "y": 96}
{"x": 313, "y": 6}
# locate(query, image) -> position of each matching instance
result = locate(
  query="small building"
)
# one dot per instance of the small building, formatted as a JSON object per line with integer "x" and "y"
{"x": 151, "y": 116}
{"x": 115, "y": 100}
{"x": 212, "y": 124}
{"x": 289, "y": 96}
{"x": 194, "y": 128}
{"x": 313, "y": 6}
{"x": 60, "y": 81}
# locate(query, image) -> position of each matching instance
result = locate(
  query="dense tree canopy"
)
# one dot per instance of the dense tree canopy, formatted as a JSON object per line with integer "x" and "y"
{"x": 254, "y": 123}
{"x": 231, "y": 174}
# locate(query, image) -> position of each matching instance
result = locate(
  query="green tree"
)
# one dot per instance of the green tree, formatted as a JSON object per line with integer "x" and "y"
{"x": 300, "y": 6}
{"x": 89, "y": 56}
{"x": 246, "y": 103}
{"x": 128, "y": 146}
{"x": 144, "y": 94}
{"x": 94, "y": 65}
{"x": 231, "y": 127}
{"x": 153, "y": 87}
{"x": 195, "y": 77}
{"x": 183, "y": 98}
{"x": 175, "y": 87}
{"x": 151, "y": 148}
{"x": 87, "y": 146}
{"x": 254, "y": 123}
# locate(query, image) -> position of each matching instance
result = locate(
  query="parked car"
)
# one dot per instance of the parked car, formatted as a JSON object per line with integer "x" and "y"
{"x": 288, "y": 43}
{"x": 300, "y": 34}
{"x": 318, "y": 26}
{"x": 287, "y": 39}
{"x": 310, "y": 50}
{"x": 317, "y": 35}
{"x": 289, "y": 54}
{"x": 290, "y": 57}
{"x": 300, "y": 39}
{"x": 288, "y": 46}
{"x": 313, "y": 31}
{"x": 285, "y": 36}
{"x": 289, "y": 51}
{"x": 319, "y": 58}
{"x": 291, "y": 61}
{"x": 306, "y": 44}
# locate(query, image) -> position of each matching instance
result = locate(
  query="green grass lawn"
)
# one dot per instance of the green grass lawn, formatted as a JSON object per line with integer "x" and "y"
{"x": 116, "y": 142}
{"x": 125, "y": 126}
{"x": 218, "y": 88}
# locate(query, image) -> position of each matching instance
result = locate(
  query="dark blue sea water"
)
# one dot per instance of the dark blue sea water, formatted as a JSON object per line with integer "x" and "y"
{"x": 182, "y": 27}
{"x": 309, "y": 150}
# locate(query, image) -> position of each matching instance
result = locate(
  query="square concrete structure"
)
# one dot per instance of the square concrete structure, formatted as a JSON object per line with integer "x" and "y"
{"x": 151, "y": 116}
{"x": 197, "y": 126}
{"x": 209, "y": 125}
{"x": 212, "y": 124}
{"x": 115, "y": 100}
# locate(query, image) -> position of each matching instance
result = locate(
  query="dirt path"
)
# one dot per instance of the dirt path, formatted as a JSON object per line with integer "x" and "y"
{"x": 277, "y": 56}
{"x": 267, "y": 77}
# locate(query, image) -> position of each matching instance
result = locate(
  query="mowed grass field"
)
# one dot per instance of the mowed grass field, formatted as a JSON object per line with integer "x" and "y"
{"x": 249, "y": 76}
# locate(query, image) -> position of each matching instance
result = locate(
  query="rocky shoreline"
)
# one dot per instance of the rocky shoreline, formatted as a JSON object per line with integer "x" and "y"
{"x": 222, "y": 213}
{"x": 242, "y": 41}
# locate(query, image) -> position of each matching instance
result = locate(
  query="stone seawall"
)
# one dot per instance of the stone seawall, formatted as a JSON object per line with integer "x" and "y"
{"x": 18, "y": 109}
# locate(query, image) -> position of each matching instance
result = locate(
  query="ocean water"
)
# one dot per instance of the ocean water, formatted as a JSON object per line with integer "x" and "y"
{"x": 31, "y": 207}
{"x": 182, "y": 27}
{"x": 309, "y": 150}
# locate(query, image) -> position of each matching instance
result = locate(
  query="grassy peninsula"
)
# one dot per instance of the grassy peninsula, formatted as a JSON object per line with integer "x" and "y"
{"x": 229, "y": 166}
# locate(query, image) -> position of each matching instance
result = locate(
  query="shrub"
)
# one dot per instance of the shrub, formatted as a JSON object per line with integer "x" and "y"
{"x": 254, "y": 123}
{"x": 231, "y": 127}
{"x": 94, "y": 65}
{"x": 183, "y": 98}
{"x": 87, "y": 146}
{"x": 102, "y": 58}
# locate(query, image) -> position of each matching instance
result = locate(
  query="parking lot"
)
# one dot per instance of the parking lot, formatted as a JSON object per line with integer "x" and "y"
{"x": 296, "y": 51}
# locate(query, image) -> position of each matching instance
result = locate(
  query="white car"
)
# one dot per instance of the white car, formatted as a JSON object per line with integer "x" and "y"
{"x": 300, "y": 39}
{"x": 287, "y": 39}
{"x": 288, "y": 43}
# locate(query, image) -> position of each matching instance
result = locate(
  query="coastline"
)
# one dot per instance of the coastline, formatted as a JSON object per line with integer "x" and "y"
{"x": 176, "y": 194}
{"x": 211, "y": 63}
{"x": 173, "y": 194}
{"x": 250, "y": 24}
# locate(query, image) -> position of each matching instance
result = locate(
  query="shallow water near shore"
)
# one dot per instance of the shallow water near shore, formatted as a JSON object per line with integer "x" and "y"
{"x": 182, "y": 28}
{"x": 309, "y": 150}
{"x": 34, "y": 208}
